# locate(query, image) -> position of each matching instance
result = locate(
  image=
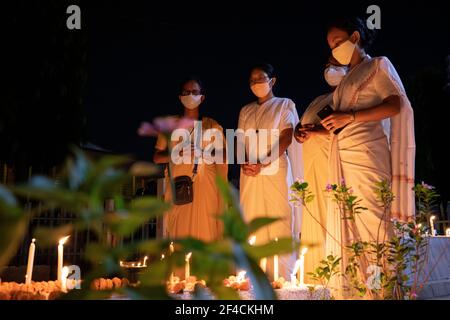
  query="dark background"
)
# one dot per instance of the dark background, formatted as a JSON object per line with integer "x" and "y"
{"x": 96, "y": 85}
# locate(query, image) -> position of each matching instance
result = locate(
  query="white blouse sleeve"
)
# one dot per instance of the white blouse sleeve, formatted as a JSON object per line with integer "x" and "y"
{"x": 242, "y": 115}
{"x": 288, "y": 118}
{"x": 387, "y": 81}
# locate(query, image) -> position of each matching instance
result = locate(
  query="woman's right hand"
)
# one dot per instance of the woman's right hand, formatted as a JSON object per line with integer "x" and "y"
{"x": 303, "y": 133}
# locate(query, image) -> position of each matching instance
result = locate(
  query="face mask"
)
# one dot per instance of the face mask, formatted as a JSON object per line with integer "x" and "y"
{"x": 191, "y": 101}
{"x": 334, "y": 74}
{"x": 343, "y": 53}
{"x": 261, "y": 89}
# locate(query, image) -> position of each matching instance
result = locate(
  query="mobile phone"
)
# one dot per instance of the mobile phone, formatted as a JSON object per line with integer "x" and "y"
{"x": 325, "y": 112}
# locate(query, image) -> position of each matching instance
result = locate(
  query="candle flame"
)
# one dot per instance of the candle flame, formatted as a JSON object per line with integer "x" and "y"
{"x": 447, "y": 232}
{"x": 63, "y": 240}
{"x": 276, "y": 239}
{"x": 171, "y": 247}
{"x": 33, "y": 240}
{"x": 304, "y": 251}
{"x": 419, "y": 225}
{"x": 121, "y": 263}
{"x": 252, "y": 240}
{"x": 432, "y": 218}
{"x": 162, "y": 257}
{"x": 188, "y": 256}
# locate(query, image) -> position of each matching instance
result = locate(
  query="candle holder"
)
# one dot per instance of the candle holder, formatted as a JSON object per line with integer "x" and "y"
{"x": 133, "y": 269}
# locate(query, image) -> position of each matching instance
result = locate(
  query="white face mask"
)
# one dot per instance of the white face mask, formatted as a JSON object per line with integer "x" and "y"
{"x": 344, "y": 52}
{"x": 261, "y": 89}
{"x": 191, "y": 101}
{"x": 334, "y": 75}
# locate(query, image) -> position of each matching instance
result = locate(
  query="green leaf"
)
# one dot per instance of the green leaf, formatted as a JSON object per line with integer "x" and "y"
{"x": 12, "y": 231}
{"x": 258, "y": 223}
{"x": 8, "y": 203}
{"x": 282, "y": 246}
{"x": 43, "y": 189}
{"x": 77, "y": 169}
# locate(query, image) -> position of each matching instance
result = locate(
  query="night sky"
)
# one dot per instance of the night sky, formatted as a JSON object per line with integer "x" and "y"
{"x": 124, "y": 66}
{"x": 138, "y": 54}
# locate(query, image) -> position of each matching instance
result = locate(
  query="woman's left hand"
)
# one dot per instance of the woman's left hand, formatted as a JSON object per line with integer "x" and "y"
{"x": 337, "y": 120}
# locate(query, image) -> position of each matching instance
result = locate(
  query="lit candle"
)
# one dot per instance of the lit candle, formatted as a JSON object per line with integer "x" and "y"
{"x": 30, "y": 263}
{"x": 171, "y": 250}
{"x": 121, "y": 263}
{"x": 447, "y": 232}
{"x": 433, "y": 231}
{"x": 252, "y": 240}
{"x": 145, "y": 261}
{"x": 275, "y": 265}
{"x": 241, "y": 276}
{"x": 302, "y": 266}
{"x": 162, "y": 257}
{"x": 60, "y": 256}
{"x": 263, "y": 264}
{"x": 187, "y": 272}
{"x": 294, "y": 273}
{"x": 64, "y": 275}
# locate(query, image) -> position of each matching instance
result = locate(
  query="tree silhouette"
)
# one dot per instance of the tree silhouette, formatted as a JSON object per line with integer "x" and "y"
{"x": 43, "y": 82}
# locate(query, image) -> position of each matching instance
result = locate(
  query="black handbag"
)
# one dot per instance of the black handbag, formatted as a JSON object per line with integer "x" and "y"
{"x": 184, "y": 189}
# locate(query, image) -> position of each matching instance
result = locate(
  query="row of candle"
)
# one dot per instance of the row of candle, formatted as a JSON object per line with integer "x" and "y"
{"x": 187, "y": 267}
{"x": 299, "y": 266}
{"x": 31, "y": 254}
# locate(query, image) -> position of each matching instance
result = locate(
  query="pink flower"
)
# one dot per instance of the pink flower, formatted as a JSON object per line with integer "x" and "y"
{"x": 342, "y": 182}
{"x": 413, "y": 295}
{"x": 350, "y": 191}
{"x": 299, "y": 180}
{"x": 427, "y": 186}
{"x": 329, "y": 187}
{"x": 164, "y": 125}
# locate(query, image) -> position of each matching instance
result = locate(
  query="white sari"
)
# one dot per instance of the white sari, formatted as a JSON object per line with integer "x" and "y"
{"x": 267, "y": 195}
{"x": 364, "y": 153}
{"x": 315, "y": 162}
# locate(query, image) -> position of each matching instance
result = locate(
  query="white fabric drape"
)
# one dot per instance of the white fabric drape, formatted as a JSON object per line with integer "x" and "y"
{"x": 362, "y": 155}
{"x": 267, "y": 194}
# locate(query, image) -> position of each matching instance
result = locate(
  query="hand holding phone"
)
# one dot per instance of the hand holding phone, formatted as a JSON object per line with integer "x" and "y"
{"x": 325, "y": 112}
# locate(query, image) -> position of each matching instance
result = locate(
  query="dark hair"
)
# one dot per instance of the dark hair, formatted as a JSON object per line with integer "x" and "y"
{"x": 265, "y": 67}
{"x": 192, "y": 78}
{"x": 352, "y": 24}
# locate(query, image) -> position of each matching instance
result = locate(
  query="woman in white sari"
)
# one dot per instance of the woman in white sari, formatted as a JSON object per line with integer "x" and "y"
{"x": 264, "y": 189}
{"x": 315, "y": 140}
{"x": 376, "y": 143}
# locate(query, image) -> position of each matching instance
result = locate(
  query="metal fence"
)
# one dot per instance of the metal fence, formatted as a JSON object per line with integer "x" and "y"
{"x": 74, "y": 248}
